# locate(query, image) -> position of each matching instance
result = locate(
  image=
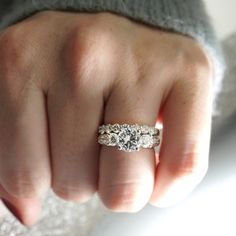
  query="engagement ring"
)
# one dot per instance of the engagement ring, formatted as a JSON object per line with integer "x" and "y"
{"x": 127, "y": 137}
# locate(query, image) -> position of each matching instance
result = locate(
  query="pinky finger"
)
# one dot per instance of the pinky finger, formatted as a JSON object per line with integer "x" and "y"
{"x": 186, "y": 138}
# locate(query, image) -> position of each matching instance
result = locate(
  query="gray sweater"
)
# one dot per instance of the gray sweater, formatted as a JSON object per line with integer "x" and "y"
{"x": 187, "y": 17}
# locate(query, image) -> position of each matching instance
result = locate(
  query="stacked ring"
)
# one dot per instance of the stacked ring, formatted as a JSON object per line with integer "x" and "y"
{"x": 128, "y": 137}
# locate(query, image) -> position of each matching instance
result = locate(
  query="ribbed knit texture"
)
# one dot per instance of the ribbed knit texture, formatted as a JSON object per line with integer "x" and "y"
{"x": 187, "y": 17}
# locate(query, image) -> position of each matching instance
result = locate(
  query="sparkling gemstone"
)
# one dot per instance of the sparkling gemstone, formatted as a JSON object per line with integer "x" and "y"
{"x": 125, "y": 126}
{"x": 101, "y": 129}
{"x": 153, "y": 131}
{"x": 104, "y": 139}
{"x": 107, "y": 128}
{"x": 144, "y": 129}
{"x": 146, "y": 141}
{"x": 133, "y": 126}
{"x": 129, "y": 139}
{"x": 137, "y": 128}
{"x": 113, "y": 139}
{"x": 115, "y": 128}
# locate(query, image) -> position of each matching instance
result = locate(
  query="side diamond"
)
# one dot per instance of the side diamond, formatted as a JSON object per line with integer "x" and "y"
{"x": 113, "y": 139}
{"x": 146, "y": 141}
{"x": 145, "y": 129}
{"x": 101, "y": 129}
{"x": 107, "y": 128}
{"x": 115, "y": 128}
{"x": 104, "y": 139}
{"x": 153, "y": 131}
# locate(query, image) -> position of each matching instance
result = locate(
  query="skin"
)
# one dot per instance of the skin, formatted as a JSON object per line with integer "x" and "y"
{"x": 64, "y": 74}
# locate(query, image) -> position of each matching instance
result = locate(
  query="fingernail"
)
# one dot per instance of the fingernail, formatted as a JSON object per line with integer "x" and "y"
{"x": 12, "y": 209}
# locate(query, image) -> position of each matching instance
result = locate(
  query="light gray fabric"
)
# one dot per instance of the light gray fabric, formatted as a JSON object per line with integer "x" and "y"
{"x": 58, "y": 218}
{"x": 184, "y": 16}
{"x": 226, "y": 101}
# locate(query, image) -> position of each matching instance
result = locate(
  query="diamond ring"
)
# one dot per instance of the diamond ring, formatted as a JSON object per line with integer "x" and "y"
{"x": 127, "y": 137}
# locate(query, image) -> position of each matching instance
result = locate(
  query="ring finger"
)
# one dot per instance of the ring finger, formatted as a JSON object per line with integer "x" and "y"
{"x": 127, "y": 178}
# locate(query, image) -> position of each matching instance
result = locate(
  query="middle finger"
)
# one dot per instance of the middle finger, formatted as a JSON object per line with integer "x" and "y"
{"x": 74, "y": 115}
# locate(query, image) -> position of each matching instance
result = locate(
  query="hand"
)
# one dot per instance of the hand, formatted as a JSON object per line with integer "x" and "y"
{"x": 64, "y": 74}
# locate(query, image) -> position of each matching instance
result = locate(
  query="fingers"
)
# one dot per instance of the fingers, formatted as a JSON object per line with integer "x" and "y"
{"x": 24, "y": 156}
{"x": 73, "y": 125}
{"x": 25, "y": 167}
{"x": 127, "y": 179}
{"x": 185, "y": 146}
{"x": 75, "y": 109}
{"x": 75, "y": 105}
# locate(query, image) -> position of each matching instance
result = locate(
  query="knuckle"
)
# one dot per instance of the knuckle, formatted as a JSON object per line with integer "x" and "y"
{"x": 87, "y": 50}
{"x": 122, "y": 197}
{"x": 21, "y": 183}
{"x": 15, "y": 67}
{"x": 15, "y": 59}
{"x": 12, "y": 48}
{"x": 72, "y": 193}
{"x": 78, "y": 58}
{"x": 197, "y": 64}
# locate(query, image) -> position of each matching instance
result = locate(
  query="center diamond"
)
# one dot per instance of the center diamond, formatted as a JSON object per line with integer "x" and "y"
{"x": 129, "y": 140}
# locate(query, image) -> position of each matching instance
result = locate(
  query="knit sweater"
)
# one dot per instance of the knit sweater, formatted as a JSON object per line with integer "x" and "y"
{"x": 186, "y": 17}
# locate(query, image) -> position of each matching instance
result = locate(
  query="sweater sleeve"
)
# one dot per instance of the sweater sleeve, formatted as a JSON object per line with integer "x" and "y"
{"x": 186, "y": 17}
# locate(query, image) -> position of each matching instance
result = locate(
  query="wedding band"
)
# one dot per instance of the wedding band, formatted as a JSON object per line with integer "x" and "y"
{"x": 127, "y": 137}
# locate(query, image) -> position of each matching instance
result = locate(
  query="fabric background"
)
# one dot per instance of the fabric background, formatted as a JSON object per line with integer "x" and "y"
{"x": 226, "y": 101}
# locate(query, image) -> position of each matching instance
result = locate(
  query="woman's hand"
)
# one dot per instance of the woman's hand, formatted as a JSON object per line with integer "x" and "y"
{"x": 64, "y": 74}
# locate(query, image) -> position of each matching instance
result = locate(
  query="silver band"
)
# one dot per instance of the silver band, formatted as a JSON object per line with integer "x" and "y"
{"x": 127, "y": 137}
